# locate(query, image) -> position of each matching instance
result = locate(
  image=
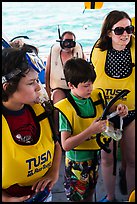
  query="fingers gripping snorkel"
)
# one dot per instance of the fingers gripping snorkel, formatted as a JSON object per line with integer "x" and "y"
{"x": 67, "y": 43}
{"x": 105, "y": 115}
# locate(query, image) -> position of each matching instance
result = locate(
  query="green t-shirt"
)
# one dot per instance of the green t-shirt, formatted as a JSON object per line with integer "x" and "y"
{"x": 86, "y": 109}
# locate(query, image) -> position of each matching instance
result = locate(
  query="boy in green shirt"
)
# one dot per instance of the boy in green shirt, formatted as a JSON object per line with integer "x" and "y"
{"x": 79, "y": 123}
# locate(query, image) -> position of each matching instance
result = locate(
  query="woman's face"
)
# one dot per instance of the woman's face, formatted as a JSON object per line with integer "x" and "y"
{"x": 119, "y": 42}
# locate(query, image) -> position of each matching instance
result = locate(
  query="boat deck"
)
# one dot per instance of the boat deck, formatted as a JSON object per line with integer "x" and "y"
{"x": 58, "y": 190}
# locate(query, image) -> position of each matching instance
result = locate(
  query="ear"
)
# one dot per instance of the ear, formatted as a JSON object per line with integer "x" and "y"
{"x": 110, "y": 34}
{"x": 70, "y": 85}
{"x": 5, "y": 85}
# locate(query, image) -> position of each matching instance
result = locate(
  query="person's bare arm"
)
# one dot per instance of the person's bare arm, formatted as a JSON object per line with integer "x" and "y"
{"x": 69, "y": 142}
{"x": 7, "y": 198}
{"x": 52, "y": 175}
{"x": 47, "y": 77}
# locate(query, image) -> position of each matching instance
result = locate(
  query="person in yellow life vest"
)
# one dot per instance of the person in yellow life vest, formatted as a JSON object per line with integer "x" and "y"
{"x": 133, "y": 23}
{"x": 79, "y": 123}
{"x": 31, "y": 154}
{"x": 113, "y": 57}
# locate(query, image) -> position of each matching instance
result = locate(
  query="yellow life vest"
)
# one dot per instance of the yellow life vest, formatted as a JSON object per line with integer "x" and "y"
{"x": 78, "y": 123}
{"x": 110, "y": 85}
{"x": 133, "y": 23}
{"x": 132, "y": 197}
{"x": 57, "y": 78}
{"x": 25, "y": 164}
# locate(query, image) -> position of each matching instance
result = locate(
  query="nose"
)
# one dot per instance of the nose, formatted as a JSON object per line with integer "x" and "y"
{"x": 91, "y": 87}
{"x": 125, "y": 32}
{"x": 38, "y": 87}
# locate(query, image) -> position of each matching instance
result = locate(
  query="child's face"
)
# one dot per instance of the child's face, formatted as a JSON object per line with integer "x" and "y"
{"x": 83, "y": 89}
{"x": 28, "y": 90}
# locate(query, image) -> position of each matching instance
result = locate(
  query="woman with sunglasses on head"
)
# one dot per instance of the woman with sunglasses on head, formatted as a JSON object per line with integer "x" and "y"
{"x": 113, "y": 56}
{"x": 31, "y": 154}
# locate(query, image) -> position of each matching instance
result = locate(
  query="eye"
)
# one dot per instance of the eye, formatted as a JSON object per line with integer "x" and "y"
{"x": 37, "y": 80}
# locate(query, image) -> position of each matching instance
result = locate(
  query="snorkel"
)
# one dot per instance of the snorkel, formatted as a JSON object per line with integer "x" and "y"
{"x": 105, "y": 145}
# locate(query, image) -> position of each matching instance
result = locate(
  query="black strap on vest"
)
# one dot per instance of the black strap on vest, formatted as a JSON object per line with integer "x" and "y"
{"x": 98, "y": 102}
{"x": 101, "y": 100}
{"x": 49, "y": 109}
{"x": 71, "y": 100}
{"x": 105, "y": 146}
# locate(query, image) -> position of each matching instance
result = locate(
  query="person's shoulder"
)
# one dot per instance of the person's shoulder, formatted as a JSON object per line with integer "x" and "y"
{"x": 55, "y": 45}
{"x": 64, "y": 102}
{"x": 78, "y": 46}
{"x": 55, "y": 48}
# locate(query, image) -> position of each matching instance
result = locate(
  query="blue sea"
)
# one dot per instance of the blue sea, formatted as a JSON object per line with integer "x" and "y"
{"x": 40, "y": 20}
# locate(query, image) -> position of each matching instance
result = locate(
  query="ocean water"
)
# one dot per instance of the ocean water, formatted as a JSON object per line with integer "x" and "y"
{"x": 40, "y": 20}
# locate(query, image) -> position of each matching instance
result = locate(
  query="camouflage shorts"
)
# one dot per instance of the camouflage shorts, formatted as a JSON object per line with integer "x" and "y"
{"x": 79, "y": 179}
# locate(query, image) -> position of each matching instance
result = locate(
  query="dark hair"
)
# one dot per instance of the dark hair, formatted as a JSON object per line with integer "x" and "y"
{"x": 78, "y": 70}
{"x": 13, "y": 59}
{"x": 105, "y": 42}
{"x": 68, "y": 32}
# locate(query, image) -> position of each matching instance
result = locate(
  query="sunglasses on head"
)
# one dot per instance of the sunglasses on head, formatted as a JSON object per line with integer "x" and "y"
{"x": 120, "y": 30}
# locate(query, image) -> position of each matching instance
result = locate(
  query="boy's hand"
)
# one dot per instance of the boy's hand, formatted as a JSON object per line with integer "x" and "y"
{"x": 122, "y": 110}
{"x": 98, "y": 126}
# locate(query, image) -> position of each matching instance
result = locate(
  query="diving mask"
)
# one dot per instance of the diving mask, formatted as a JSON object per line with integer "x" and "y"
{"x": 67, "y": 43}
{"x": 110, "y": 131}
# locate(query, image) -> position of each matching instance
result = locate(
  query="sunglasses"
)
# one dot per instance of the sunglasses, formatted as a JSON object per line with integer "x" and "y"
{"x": 120, "y": 30}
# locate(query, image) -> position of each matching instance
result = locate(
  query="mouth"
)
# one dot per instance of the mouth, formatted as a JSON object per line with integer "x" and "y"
{"x": 36, "y": 100}
{"x": 124, "y": 39}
